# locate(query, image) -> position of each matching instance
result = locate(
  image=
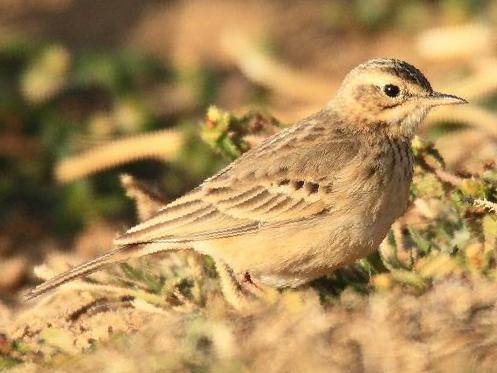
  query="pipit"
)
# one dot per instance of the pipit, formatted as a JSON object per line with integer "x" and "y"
{"x": 308, "y": 200}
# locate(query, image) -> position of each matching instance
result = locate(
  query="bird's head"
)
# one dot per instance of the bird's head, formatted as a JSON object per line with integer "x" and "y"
{"x": 388, "y": 94}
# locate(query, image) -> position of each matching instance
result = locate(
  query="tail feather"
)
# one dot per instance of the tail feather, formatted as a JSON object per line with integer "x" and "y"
{"x": 117, "y": 255}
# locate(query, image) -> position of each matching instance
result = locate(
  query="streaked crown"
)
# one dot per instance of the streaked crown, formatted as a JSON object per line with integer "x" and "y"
{"x": 399, "y": 68}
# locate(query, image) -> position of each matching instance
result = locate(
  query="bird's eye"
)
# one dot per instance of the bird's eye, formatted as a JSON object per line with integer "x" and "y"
{"x": 391, "y": 90}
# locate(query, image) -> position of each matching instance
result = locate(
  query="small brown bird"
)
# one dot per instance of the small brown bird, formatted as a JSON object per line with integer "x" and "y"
{"x": 312, "y": 198}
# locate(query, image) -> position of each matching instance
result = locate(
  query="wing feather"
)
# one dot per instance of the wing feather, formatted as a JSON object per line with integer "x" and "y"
{"x": 278, "y": 188}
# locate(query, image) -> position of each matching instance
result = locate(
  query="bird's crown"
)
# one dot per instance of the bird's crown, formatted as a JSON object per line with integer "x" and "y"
{"x": 398, "y": 68}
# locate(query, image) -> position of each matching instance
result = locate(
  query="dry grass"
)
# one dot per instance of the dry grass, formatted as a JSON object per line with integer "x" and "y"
{"x": 449, "y": 328}
{"x": 161, "y": 145}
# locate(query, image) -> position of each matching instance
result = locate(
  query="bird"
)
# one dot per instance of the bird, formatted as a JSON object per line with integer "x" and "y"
{"x": 314, "y": 197}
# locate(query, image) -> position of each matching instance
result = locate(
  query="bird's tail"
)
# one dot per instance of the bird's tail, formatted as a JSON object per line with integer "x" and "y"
{"x": 117, "y": 255}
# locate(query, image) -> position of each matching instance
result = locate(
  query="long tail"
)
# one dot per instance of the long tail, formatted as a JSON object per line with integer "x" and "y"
{"x": 117, "y": 255}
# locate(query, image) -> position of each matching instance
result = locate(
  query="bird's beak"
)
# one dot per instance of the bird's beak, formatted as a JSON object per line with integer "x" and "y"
{"x": 437, "y": 98}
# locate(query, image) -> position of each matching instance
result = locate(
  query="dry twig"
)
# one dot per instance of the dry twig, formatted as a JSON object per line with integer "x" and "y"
{"x": 159, "y": 145}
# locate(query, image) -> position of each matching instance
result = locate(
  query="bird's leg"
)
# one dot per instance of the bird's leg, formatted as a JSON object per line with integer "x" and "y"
{"x": 248, "y": 284}
{"x": 242, "y": 293}
{"x": 231, "y": 288}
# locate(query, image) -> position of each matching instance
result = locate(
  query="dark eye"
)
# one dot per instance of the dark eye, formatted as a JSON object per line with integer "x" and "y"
{"x": 391, "y": 90}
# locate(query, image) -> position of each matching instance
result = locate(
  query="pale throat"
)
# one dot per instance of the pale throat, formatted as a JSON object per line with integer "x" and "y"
{"x": 407, "y": 124}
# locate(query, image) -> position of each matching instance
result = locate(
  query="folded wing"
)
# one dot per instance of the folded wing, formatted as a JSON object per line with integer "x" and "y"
{"x": 279, "y": 182}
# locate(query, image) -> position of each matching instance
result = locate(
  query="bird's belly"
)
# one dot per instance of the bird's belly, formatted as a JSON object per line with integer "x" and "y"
{"x": 284, "y": 257}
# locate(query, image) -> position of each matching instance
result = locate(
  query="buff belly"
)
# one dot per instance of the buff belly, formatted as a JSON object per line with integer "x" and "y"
{"x": 295, "y": 256}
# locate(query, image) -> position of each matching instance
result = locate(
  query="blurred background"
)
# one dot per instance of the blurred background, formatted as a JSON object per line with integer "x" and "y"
{"x": 93, "y": 89}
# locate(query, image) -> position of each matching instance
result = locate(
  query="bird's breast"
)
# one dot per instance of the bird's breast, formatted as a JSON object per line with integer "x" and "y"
{"x": 386, "y": 191}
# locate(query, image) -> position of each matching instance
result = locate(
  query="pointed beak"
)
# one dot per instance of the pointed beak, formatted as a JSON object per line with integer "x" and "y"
{"x": 437, "y": 98}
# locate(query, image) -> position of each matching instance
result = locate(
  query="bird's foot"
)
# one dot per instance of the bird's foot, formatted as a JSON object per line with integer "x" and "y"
{"x": 245, "y": 295}
{"x": 248, "y": 284}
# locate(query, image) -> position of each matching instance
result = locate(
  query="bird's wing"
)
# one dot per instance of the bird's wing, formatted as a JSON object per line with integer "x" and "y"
{"x": 285, "y": 179}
